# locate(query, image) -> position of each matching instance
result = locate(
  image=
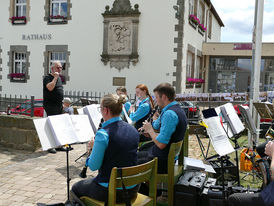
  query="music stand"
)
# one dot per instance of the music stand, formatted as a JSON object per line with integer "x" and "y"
{"x": 265, "y": 110}
{"x": 249, "y": 123}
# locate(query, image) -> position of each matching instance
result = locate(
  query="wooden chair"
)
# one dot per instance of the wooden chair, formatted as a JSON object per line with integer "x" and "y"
{"x": 131, "y": 175}
{"x": 174, "y": 171}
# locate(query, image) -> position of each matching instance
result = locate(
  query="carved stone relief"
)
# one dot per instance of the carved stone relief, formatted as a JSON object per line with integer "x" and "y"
{"x": 120, "y": 35}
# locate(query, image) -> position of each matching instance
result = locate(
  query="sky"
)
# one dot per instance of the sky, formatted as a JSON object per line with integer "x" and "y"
{"x": 238, "y": 18}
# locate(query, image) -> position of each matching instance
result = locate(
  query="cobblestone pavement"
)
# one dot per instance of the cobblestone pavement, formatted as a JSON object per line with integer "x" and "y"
{"x": 27, "y": 178}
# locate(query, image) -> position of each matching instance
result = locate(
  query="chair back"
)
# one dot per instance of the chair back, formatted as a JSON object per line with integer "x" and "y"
{"x": 146, "y": 172}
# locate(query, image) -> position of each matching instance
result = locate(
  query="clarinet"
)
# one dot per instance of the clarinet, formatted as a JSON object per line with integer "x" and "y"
{"x": 83, "y": 173}
{"x": 156, "y": 109}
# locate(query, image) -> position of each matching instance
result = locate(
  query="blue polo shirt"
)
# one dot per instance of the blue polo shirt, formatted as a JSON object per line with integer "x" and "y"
{"x": 167, "y": 123}
{"x": 141, "y": 112}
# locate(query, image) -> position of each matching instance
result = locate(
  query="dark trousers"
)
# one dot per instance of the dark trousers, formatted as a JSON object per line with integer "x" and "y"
{"x": 53, "y": 110}
{"x": 92, "y": 189}
{"x": 145, "y": 155}
{"x": 246, "y": 199}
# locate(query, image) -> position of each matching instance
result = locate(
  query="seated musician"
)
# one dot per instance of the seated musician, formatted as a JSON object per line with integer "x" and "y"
{"x": 172, "y": 124}
{"x": 123, "y": 91}
{"x": 264, "y": 198}
{"x": 115, "y": 145}
{"x": 144, "y": 109}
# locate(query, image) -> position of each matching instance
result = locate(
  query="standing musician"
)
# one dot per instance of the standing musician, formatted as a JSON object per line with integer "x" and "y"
{"x": 144, "y": 109}
{"x": 115, "y": 145}
{"x": 172, "y": 123}
{"x": 264, "y": 198}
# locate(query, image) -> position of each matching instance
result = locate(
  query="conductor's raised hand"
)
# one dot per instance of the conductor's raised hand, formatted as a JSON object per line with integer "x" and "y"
{"x": 56, "y": 74}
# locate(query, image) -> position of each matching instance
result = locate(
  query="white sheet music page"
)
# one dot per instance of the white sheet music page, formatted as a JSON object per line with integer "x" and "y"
{"x": 235, "y": 120}
{"x": 218, "y": 136}
{"x": 82, "y": 127}
{"x": 62, "y": 129}
{"x": 237, "y": 123}
{"x": 93, "y": 112}
{"x": 45, "y": 134}
{"x": 126, "y": 115}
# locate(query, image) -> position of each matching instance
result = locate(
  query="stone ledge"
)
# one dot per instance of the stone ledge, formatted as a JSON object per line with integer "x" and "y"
{"x": 18, "y": 132}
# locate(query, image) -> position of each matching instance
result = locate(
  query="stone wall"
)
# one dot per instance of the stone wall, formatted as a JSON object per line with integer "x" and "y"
{"x": 18, "y": 131}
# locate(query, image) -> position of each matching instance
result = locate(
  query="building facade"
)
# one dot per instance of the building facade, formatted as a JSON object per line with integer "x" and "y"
{"x": 105, "y": 44}
{"x": 228, "y": 67}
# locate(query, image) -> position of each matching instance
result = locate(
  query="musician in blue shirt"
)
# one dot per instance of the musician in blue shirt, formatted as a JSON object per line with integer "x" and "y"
{"x": 144, "y": 108}
{"x": 264, "y": 198}
{"x": 115, "y": 145}
{"x": 122, "y": 90}
{"x": 171, "y": 123}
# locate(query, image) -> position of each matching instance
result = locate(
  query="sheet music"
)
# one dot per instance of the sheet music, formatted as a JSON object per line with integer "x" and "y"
{"x": 44, "y": 133}
{"x": 218, "y": 136}
{"x": 232, "y": 115}
{"x": 80, "y": 111}
{"x": 82, "y": 128}
{"x": 94, "y": 115}
{"x": 62, "y": 129}
{"x": 126, "y": 115}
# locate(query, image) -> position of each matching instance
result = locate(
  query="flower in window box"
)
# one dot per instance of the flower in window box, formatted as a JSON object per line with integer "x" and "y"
{"x": 194, "y": 19}
{"x": 57, "y": 17}
{"x": 202, "y": 27}
{"x": 195, "y": 80}
{"x": 17, "y": 75}
{"x": 18, "y": 20}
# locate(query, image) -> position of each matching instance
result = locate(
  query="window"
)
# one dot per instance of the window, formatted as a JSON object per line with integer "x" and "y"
{"x": 201, "y": 13}
{"x": 57, "y": 53}
{"x": 18, "y": 64}
{"x": 19, "y": 11}
{"x": 198, "y": 73}
{"x": 20, "y": 8}
{"x": 19, "y": 61}
{"x": 57, "y": 56}
{"x": 59, "y": 8}
{"x": 191, "y": 7}
{"x": 57, "y": 11}
{"x": 190, "y": 65}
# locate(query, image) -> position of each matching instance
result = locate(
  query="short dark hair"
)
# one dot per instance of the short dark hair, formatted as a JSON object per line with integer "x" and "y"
{"x": 166, "y": 89}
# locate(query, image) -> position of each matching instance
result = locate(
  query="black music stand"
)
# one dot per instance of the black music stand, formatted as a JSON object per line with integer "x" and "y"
{"x": 67, "y": 203}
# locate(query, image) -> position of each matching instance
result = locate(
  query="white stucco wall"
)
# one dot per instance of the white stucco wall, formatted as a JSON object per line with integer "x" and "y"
{"x": 84, "y": 37}
{"x": 195, "y": 39}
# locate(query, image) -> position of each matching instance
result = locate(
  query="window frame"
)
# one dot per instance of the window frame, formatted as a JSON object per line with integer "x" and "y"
{"x": 14, "y": 18}
{"x": 47, "y": 60}
{"x": 20, "y": 5}
{"x": 22, "y": 59}
{"x": 12, "y": 62}
{"x": 50, "y": 18}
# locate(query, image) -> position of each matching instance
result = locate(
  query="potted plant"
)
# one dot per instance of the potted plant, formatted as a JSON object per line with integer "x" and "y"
{"x": 58, "y": 18}
{"x": 194, "y": 20}
{"x": 18, "y": 20}
{"x": 201, "y": 28}
{"x": 17, "y": 76}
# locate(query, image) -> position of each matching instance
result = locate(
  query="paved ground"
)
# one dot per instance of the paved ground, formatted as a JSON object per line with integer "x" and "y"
{"x": 27, "y": 178}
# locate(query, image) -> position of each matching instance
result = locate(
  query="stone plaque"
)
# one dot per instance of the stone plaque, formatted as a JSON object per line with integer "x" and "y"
{"x": 119, "y": 81}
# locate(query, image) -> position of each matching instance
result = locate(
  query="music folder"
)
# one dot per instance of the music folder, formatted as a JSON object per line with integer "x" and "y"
{"x": 59, "y": 130}
{"x": 265, "y": 110}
